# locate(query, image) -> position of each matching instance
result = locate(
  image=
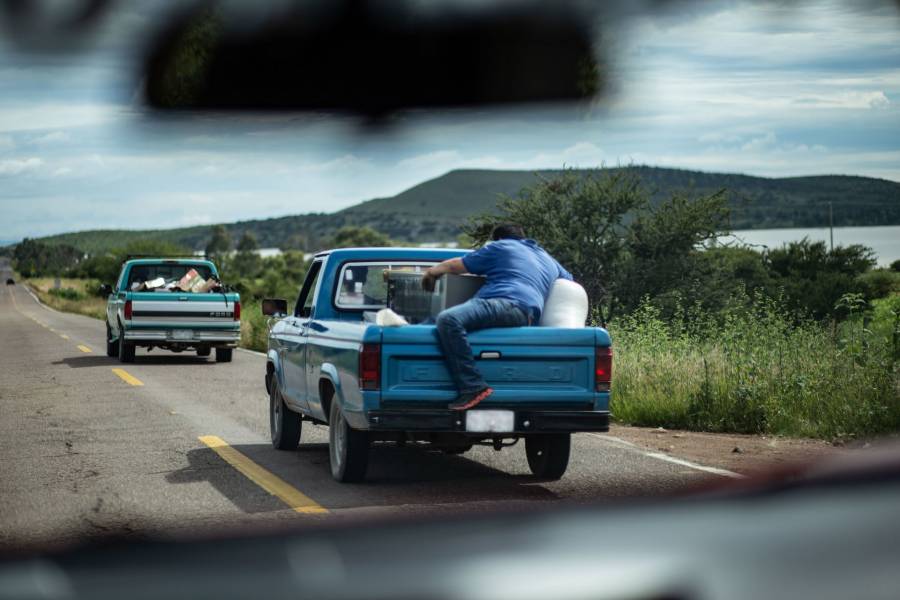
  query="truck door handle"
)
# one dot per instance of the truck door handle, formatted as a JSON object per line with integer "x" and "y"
{"x": 489, "y": 355}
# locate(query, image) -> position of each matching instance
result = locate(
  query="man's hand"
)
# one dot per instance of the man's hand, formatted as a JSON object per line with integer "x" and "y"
{"x": 429, "y": 280}
{"x": 430, "y": 277}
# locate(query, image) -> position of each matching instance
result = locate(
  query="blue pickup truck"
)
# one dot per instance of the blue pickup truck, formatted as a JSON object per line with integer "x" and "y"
{"x": 329, "y": 364}
{"x": 146, "y": 308}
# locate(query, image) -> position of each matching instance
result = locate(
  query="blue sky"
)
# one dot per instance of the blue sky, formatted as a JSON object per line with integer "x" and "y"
{"x": 765, "y": 88}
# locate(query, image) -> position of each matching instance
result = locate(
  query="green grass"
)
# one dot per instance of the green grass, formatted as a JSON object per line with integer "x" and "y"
{"x": 74, "y": 296}
{"x": 755, "y": 370}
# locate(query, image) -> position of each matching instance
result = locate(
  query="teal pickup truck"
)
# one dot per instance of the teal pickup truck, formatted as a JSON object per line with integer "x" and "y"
{"x": 147, "y": 308}
{"x": 329, "y": 363}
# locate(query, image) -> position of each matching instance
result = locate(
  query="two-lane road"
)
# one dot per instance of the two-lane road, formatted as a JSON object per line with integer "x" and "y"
{"x": 91, "y": 446}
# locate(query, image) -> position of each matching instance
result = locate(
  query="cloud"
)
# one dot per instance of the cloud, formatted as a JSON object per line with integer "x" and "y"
{"x": 760, "y": 143}
{"x": 846, "y": 99}
{"x": 7, "y": 142}
{"x": 54, "y": 137}
{"x": 19, "y": 166}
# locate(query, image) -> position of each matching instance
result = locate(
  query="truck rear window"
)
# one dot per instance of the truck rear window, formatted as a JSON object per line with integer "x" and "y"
{"x": 362, "y": 285}
{"x": 170, "y": 272}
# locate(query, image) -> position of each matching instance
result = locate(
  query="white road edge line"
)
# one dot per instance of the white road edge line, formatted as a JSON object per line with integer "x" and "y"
{"x": 263, "y": 354}
{"x": 38, "y": 300}
{"x": 667, "y": 458}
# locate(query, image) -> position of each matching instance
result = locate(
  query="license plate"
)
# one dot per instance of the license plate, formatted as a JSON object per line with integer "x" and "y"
{"x": 499, "y": 421}
{"x": 182, "y": 334}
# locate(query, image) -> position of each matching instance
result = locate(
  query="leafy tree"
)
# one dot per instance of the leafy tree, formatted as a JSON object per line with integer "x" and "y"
{"x": 604, "y": 229}
{"x": 814, "y": 278}
{"x": 219, "y": 246}
{"x": 37, "y": 259}
{"x": 351, "y": 236}
{"x": 246, "y": 262}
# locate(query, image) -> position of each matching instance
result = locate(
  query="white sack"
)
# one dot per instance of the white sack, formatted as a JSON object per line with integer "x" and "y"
{"x": 388, "y": 318}
{"x": 566, "y": 306}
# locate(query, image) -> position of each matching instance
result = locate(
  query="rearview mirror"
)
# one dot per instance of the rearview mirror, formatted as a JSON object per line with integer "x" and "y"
{"x": 371, "y": 58}
{"x": 274, "y": 307}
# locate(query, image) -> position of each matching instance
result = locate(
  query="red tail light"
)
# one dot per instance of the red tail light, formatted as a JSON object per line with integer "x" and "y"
{"x": 237, "y": 311}
{"x": 370, "y": 367}
{"x": 128, "y": 310}
{"x": 603, "y": 361}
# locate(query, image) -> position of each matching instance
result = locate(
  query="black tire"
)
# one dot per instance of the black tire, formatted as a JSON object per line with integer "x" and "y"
{"x": 348, "y": 449}
{"x": 548, "y": 454}
{"x": 126, "y": 350}
{"x": 284, "y": 424}
{"x": 224, "y": 354}
{"x": 112, "y": 347}
{"x": 204, "y": 351}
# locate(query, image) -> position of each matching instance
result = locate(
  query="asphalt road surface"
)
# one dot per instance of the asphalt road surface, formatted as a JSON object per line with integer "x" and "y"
{"x": 92, "y": 447}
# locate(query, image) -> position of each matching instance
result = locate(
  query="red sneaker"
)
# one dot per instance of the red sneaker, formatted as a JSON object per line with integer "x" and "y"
{"x": 467, "y": 401}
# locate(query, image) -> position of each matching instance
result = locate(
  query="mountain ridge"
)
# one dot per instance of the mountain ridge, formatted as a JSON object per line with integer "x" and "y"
{"x": 433, "y": 210}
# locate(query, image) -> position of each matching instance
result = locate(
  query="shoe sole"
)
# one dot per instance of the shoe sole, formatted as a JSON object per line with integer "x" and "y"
{"x": 474, "y": 401}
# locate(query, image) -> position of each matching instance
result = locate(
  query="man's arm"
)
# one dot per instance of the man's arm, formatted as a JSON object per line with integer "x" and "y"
{"x": 454, "y": 266}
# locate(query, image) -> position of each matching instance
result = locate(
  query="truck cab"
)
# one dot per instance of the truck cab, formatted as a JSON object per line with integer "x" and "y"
{"x": 329, "y": 363}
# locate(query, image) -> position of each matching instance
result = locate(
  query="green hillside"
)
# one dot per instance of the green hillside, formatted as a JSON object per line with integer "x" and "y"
{"x": 433, "y": 210}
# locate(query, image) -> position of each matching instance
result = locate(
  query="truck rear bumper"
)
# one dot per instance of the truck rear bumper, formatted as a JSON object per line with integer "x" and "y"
{"x": 162, "y": 337}
{"x": 526, "y": 421}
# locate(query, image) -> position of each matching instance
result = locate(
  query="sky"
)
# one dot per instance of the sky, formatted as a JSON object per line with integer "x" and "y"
{"x": 765, "y": 88}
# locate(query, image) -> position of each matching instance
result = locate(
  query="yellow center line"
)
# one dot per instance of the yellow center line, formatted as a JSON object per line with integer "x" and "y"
{"x": 268, "y": 481}
{"x": 127, "y": 377}
{"x": 83, "y": 348}
{"x": 65, "y": 337}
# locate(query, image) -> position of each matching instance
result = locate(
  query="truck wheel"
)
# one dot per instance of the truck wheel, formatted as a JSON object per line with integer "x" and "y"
{"x": 548, "y": 454}
{"x": 284, "y": 423}
{"x": 348, "y": 449}
{"x": 112, "y": 347}
{"x": 204, "y": 351}
{"x": 224, "y": 354}
{"x": 126, "y": 350}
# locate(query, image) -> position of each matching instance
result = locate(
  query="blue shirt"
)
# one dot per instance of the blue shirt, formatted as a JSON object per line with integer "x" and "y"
{"x": 517, "y": 270}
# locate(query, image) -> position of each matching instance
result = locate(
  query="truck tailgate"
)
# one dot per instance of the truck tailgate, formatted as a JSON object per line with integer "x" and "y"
{"x": 160, "y": 309}
{"x": 526, "y": 366}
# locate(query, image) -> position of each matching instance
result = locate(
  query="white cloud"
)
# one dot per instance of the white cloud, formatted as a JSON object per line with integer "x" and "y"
{"x": 18, "y": 166}
{"x": 437, "y": 159}
{"x": 63, "y": 171}
{"x": 846, "y": 99}
{"x": 7, "y": 142}
{"x": 761, "y": 143}
{"x": 54, "y": 137}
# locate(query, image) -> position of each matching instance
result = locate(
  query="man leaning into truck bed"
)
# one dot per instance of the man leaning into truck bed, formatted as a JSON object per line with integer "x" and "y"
{"x": 519, "y": 275}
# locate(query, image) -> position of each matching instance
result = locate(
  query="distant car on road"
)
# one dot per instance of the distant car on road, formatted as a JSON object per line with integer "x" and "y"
{"x": 175, "y": 304}
{"x": 330, "y": 363}
{"x": 10, "y": 281}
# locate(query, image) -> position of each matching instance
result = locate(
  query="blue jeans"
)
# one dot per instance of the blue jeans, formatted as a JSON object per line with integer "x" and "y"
{"x": 454, "y": 323}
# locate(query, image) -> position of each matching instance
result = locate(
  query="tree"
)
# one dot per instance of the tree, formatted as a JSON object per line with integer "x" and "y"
{"x": 602, "y": 227}
{"x": 351, "y": 236}
{"x": 246, "y": 262}
{"x": 219, "y": 245}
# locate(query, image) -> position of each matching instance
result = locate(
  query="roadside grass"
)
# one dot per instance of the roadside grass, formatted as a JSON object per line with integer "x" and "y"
{"x": 254, "y": 326}
{"x": 754, "y": 369}
{"x": 74, "y": 295}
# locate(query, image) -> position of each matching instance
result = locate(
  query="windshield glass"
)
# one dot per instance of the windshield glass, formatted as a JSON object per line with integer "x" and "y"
{"x": 687, "y": 216}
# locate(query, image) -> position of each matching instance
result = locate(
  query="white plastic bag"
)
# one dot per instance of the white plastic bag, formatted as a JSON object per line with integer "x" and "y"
{"x": 388, "y": 318}
{"x": 566, "y": 306}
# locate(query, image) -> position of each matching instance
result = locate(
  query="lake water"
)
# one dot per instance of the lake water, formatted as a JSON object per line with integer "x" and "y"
{"x": 885, "y": 241}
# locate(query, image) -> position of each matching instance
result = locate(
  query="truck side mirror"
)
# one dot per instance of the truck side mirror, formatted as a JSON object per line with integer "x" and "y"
{"x": 274, "y": 307}
{"x": 105, "y": 289}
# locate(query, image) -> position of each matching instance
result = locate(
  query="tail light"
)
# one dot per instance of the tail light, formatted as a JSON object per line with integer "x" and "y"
{"x": 237, "y": 311}
{"x": 603, "y": 359}
{"x": 370, "y": 367}
{"x": 128, "y": 310}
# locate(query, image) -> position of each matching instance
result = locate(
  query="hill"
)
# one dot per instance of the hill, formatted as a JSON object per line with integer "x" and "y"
{"x": 433, "y": 210}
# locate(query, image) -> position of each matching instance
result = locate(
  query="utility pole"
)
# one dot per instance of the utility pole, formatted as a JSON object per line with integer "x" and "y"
{"x": 831, "y": 225}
